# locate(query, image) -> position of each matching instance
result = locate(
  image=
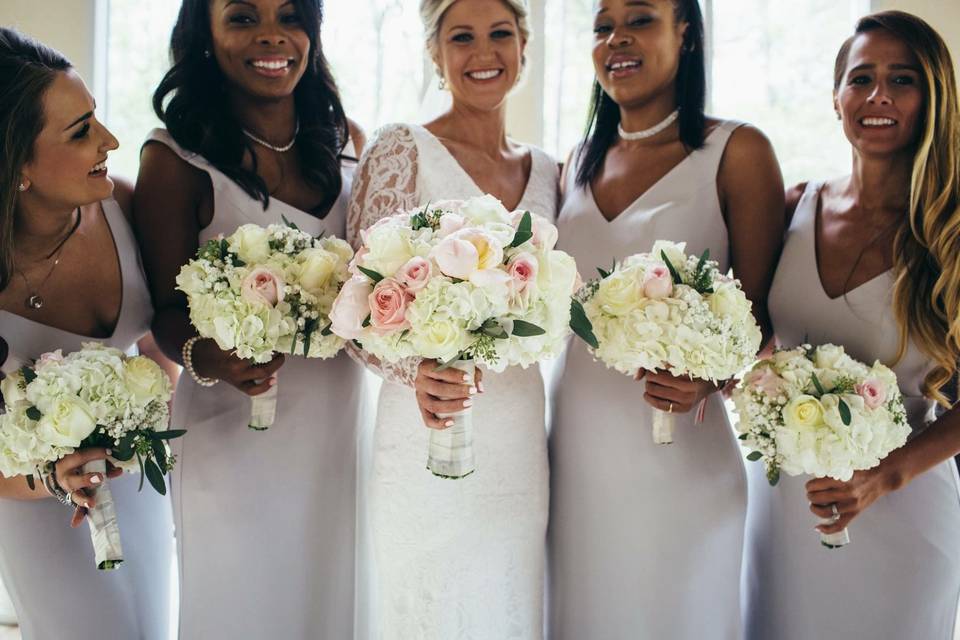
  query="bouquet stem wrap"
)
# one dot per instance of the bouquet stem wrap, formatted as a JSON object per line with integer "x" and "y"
{"x": 263, "y": 409}
{"x": 663, "y": 423}
{"x": 834, "y": 540}
{"x": 450, "y": 454}
{"x": 104, "y": 529}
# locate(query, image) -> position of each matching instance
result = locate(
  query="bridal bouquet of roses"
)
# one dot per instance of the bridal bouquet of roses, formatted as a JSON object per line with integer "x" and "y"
{"x": 263, "y": 291}
{"x": 95, "y": 397}
{"x": 460, "y": 282}
{"x": 667, "y": 310}
{"x": 819, "y": 411}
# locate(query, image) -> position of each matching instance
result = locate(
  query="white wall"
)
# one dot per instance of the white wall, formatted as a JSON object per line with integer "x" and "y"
{"x": 943, "y": 15}
{"x": 65, "y": 25}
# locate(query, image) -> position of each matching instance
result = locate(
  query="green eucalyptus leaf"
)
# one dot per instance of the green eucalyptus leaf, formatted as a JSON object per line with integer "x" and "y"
{"x": 525, "y": 329}
{"x": 581, "y": 325}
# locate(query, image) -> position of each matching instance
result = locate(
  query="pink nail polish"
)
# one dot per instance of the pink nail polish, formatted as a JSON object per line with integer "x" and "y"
{"x": 466, "y": 378}
{"x": 448, "y": 423}
{"x": 96, "y": 480}
{"x": 468, "y": 403}
{"x": 273, "y": 381}
{"x": 472, "y": 390}
{"x": 480, "y": 386}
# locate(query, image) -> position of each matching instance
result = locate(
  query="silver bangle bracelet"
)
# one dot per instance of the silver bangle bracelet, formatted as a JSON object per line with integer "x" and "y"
{"x": 49, "y": 476}
{"x": 187, "y": 353}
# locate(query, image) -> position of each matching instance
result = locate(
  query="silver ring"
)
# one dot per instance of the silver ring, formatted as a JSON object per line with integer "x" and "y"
{"x": 68, "y": 499}
{"x": 836, "y": 512}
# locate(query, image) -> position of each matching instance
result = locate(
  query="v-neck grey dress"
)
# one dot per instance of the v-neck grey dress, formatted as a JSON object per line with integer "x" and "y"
{"x": 645, "y": 540}
{"x": 900, "y": 575}
{"x": 47, "y": 567}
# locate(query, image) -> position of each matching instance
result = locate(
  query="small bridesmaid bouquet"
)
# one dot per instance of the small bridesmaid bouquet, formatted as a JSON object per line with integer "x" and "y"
{"x": 95, "y": 397}
{"x": 263, "y": 291}
{"x": 819, "y": 411}
{"x": 667, "y": 310}
{"x": 460, "y": 282}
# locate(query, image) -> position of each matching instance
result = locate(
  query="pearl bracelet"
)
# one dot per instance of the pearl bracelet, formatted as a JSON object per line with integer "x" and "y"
{"x": 187, "y": 352}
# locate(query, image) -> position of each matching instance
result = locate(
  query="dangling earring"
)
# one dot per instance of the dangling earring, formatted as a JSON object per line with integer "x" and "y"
{"x": 21, "y": 187}
{"x": 206, "y": 53}
{"x": 443, "y": 83}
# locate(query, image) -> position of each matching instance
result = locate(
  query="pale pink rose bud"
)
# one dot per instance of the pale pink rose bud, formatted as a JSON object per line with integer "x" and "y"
{"x": 450, "y": 223}
{"x": 873, "y": 392}
{"x": 765, "y": 380}
{"x": 657, "y": 283}
{"x": 523, "y": 270}
{"x": 388, "y": 306}
{"x": 415, "y": 274}
{"x": 48, "y": 358}
{"x": 456, "y": 258}
{"x": 545, "y": 233}
{"x": 351, "y": 308}
{"x": 262, "y": 286}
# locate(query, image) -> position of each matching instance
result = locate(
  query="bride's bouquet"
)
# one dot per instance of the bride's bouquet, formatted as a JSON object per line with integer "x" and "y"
{"x": 95, "y": 397}
{"x": 819, "y": 411}
{"x": 667, "y": 310}
{"x": 263, "y": 291}
{"x": 460, "y": 282}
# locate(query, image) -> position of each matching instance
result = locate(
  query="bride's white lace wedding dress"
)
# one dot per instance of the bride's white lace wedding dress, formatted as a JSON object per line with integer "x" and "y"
{"x": 453, "y": 558}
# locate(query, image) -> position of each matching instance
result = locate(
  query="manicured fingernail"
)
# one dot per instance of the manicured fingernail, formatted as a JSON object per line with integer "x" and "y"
{"x": 448, "y": 423}
{"x": 466, "y": 378}
{"x": 109, "y": 452}
{"x": 473, "y": 391}
{"x": 480, "y": 386}
{"x": 468, "y": 403}
{"x": 96, "y": 480}
{"x": 272, "y": 382}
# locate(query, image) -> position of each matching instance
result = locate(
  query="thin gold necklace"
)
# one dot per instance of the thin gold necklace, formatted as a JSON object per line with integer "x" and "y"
{"x": 34, "y": 300}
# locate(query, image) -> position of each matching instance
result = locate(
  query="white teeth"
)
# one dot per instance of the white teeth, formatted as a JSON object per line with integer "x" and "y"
{"x": 271, "y": 64}
{"x": 102, "y": 166}
{"x": 484, "y": 75}
{"x": 878, "y": 122}
{"x": 624, "y": 65}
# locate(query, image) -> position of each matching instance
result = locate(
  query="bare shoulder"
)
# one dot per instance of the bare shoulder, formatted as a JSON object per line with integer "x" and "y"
{"x": 793, "y": 195}
{"x": 123, "y": 194}
{"x": 357, "y": 135}
{"x": 161, "y": 167}
{"x": 746, "y": 142}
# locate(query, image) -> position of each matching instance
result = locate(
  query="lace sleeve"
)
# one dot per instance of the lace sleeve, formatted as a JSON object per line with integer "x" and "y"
{"x": 386, "y": 182}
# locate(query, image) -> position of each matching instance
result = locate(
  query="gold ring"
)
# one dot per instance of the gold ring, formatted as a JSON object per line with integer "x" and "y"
{"x": 670, "y": 410}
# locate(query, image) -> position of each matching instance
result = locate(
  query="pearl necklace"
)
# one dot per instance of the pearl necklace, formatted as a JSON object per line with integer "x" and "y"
{"x": 648, "y": 133}
{"x": 282, "y": 148}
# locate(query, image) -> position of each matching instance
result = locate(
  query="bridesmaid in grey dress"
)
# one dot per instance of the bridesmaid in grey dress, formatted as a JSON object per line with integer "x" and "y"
{"x": 69, "y": 274}
{"x": 255, "y": 134}
{"x": 646, "y": 540}
{"x": 872, "y": 262}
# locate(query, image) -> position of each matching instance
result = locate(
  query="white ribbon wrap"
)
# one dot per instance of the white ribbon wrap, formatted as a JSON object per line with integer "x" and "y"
{"x": 104, "y": 529}
{"x": 450, "y": 454}
{"x": 263, "y": 409}
{"x": 663, "y": 427}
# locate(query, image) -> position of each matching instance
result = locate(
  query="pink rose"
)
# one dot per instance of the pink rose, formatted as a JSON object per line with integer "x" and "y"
{"x": 262, "y": 286}
{"x": 545, "y": 233}
{"x": 415, "y": 274}
{"x": 873, "y": 392}
{"x": 456, "y": 258}
{"x": 450, "y": 223}
{"x": 765, "y": 380}
{"x": 48, "y": 358}
{"x": 523, "y": 269}
{"x": 351, "y": 308}
{"x": 657, "y": 283}
{"x": 388, "y": 306}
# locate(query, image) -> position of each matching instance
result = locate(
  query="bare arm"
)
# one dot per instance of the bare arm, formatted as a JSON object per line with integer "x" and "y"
{"x": 173, "y": 201}
{"x": 752, "y": 197}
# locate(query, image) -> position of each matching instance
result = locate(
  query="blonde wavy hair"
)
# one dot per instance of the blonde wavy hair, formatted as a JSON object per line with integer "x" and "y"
{"x": 926, "y": 262}
{"x": 432, "y": 12}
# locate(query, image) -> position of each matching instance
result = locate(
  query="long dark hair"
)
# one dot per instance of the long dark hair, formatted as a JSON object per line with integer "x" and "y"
{"x": 691, "y": 89}
{"x": 27, "y": 69}
{"x": 199, "y": 118}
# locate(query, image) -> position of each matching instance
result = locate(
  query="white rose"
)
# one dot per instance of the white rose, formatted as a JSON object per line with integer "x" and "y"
{"x": 484, "y": 209}
{"x": 11, "y": 390}
{"x": 618, "y": 293}
{"x": 675, "y": 252}
{"x": 68, "y": 421}
{"x": 146, "y": 380}
{"x": 251, "y": 243}
{"x": 316, "y": 268}
{"x": 388, "y": 250}
{"x": 729, "y": 301}
{"x": 440, "y": 337}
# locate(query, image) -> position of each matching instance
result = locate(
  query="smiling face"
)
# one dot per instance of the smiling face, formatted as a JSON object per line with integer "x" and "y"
{"x": 479, "y": 52}
{"x": 881, "y": 95}
{"x": 68, "y": 168}
{"x": 260, "y": 45}
{"x": 636, "y": 48}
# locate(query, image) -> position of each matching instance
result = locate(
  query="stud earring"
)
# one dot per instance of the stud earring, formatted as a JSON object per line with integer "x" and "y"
{"x": 21, "y": 187}
{"x": 206, "y": 53}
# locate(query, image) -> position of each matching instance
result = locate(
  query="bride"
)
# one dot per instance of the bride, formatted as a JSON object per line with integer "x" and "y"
{"x": 459, "y": 558}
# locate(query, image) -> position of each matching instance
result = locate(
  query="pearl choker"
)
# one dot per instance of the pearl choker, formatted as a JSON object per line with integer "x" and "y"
{"x": 647, "y": 133}
{"x": 279, "y": 149}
